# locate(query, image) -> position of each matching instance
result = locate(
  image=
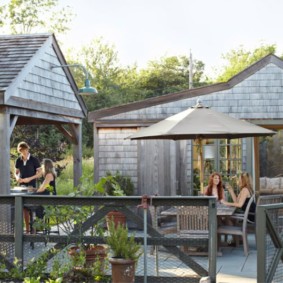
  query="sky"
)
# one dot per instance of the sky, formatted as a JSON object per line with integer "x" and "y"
{"x": 143, "y": 30}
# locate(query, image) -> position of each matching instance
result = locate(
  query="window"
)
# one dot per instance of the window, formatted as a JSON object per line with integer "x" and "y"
{"x": 223, "y": 156}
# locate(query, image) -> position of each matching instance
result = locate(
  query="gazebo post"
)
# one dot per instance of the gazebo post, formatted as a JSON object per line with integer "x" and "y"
{"x": 5, "y": 131}
{"x": 77, "y": 154}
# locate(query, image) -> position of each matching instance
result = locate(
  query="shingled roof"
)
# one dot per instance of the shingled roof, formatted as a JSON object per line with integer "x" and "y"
{"x": 15, "y": 52}
{"x": 32, "y": 93}
{"x": 27, "y": 80}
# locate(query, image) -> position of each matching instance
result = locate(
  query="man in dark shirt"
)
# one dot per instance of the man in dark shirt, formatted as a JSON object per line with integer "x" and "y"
{"x": 27, "y": 166}
{"x": 26, "y": 172}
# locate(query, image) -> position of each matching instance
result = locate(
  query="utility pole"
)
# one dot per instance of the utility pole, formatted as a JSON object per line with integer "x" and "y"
{"x": 191, "y": 70}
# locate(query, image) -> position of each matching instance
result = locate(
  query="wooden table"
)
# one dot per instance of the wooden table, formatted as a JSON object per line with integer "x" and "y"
{"x": 222, "y": 210}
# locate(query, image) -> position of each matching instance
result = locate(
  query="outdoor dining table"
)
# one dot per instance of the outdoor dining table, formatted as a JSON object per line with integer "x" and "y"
{"x": 221, "y": 210}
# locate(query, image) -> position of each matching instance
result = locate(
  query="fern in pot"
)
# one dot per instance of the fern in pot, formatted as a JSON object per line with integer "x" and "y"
{"x": 126, "y": 252}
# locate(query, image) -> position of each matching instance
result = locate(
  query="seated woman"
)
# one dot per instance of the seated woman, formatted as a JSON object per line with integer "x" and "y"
{"x": 244, "y": 196}
{"x": 215, "y": 187}
{"x": 47, "y": 186}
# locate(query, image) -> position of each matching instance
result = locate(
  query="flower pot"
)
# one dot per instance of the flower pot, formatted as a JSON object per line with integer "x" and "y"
{"x": 117, "y": 217}
{"x": 92, "y": 254}
{"x": 96, "y": 253}
{"x": 123, "y": 270}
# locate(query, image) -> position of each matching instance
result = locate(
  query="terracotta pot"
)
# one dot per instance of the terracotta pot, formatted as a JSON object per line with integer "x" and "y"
{"x": 123, "y": 270}
{"x": 117, "y": 217}
{"x": 91, "y": 254}
{"x": 96, "y": 253}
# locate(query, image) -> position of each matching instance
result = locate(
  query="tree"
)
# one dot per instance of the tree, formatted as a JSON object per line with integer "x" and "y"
{"x": 101, "y": 61}
{"x": 120, "y": 85}
{"x": 26, "y": 16}
{"x": 238, "y": 60}
{"x": 169, "y": 74}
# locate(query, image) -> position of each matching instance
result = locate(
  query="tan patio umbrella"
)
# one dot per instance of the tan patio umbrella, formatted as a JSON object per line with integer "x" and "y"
{"x": 198, "y": 123}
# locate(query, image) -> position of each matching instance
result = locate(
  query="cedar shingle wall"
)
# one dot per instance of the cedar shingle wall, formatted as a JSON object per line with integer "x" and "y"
{"x": 117, "y": 153}
{"x": 42, "y": 84}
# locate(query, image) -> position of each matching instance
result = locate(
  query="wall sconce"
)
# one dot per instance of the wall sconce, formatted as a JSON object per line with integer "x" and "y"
{"x": 87, "y": 89}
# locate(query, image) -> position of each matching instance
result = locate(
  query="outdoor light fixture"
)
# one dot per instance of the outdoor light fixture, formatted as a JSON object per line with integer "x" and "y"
{"x": 87, "y": 89}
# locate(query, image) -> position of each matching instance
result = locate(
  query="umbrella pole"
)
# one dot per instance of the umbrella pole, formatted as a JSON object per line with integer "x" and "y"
{"x": 201, "y": 168}
{"x": 201, "y": 172}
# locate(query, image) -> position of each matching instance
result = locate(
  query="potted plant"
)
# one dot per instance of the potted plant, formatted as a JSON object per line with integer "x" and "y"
{"x": 115, "y": 185}
{"x": 88, "y": 254}
{"x": 82, "y": 254}
{"x": 126, "y": 251}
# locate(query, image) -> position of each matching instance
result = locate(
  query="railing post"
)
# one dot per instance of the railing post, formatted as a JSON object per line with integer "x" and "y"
{"x": 144, "y": 205}
{"x": 19, "y": 229}
{"x": 260, "y": 242}
{"x": 212, "y": 245}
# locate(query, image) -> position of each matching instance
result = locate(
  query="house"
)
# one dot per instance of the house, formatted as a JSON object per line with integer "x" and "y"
{"x": 32, "y": 93}
{"x": 170, "y": 167}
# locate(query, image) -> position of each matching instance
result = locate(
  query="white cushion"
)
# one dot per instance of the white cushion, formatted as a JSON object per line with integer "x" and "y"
{"x": 273, "y": 183}
{"x": 262, "y": 183}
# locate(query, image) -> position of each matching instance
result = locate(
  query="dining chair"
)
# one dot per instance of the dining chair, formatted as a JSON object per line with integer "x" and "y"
{"x": 192, "y": 222}
{"x": 240, "y": 229}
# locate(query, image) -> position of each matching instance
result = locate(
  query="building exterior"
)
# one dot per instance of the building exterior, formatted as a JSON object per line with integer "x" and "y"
{"x": 31, "y": 92}
{"x": 169, "y": 167}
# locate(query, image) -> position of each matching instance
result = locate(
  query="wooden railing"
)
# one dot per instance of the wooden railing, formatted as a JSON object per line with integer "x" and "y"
{"x": 269, "y": 222}
{"x": 13, "y": 212}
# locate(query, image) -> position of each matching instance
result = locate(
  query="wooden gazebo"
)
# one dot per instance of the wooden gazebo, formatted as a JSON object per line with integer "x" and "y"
{"x": 33, "y": 93}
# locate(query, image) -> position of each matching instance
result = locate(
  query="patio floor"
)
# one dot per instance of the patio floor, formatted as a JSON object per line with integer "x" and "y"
{"x": 232, "y": 266}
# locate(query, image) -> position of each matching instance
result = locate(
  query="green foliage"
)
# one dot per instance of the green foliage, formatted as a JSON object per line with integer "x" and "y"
{"x": 120, "y": 85}
{"x": 57, "y": 280}
{"x": 238, "y": 60}
{"x": 168, "y": 75}
{"x": 115, "y": 185}
{"x": 34, "y": 271}
{"x": 32, "y": 280}
{"x": 196, "y": 181}
{"x": 44, "y": 141}
{"x": 27, "y": 16}
{"x": 121, "y": 245}
{"x": 79, "y": 214}
{"x": 64, "y": 183}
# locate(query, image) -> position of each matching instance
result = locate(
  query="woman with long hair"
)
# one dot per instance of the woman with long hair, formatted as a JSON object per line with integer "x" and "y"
{"x": 47, "y": 186}
{"x": 49, "y": 175}
{"x": 246, "y": 192}
{"x": 215, "y": 187}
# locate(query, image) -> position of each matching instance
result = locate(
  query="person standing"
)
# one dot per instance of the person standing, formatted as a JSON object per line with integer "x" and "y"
{"x": 27, "y": 167}
{"x": 27, "y": 170}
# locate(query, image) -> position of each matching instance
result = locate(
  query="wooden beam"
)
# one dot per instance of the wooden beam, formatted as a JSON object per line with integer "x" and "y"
{"x": 69, "y": 135}
{"x": 13, "y": 122}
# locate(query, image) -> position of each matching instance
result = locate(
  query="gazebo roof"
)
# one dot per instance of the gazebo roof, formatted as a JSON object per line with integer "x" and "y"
{"x": 27, "y": 80}
{"x": 15, "y": 53}
{"x": 32, "y": 92}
